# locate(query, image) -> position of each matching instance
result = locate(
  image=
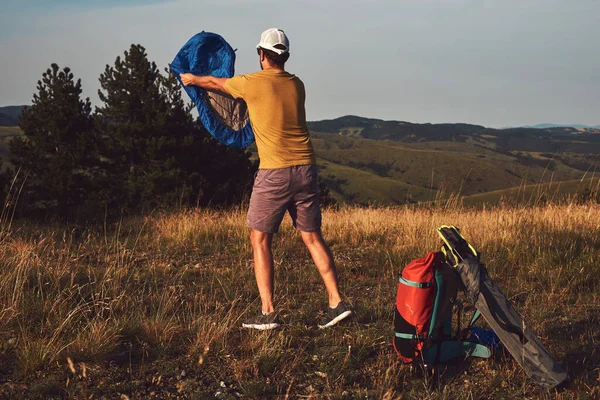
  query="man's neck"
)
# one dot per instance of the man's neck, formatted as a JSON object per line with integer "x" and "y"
{"x": 269, "y": 67}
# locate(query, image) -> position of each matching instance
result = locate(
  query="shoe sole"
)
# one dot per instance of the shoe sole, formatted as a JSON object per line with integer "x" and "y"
{"x": 261, "y": 327}
{"x": 336, "y": 319}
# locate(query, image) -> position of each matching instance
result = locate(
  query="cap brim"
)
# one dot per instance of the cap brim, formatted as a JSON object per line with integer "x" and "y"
{"x": 273, "y": 49}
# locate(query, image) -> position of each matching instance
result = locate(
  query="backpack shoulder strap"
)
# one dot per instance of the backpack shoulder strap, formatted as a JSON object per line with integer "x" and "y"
{"x": 456, "y": 248}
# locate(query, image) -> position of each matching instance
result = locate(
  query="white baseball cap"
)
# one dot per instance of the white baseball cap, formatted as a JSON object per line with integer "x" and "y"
{"x": 273, "y": 37}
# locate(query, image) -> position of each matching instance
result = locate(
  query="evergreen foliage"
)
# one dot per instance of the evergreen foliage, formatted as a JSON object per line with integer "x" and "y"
{"x": 57, "y": 152}
{"x": 141, "y": 150}
{"x": 157, "y": 155}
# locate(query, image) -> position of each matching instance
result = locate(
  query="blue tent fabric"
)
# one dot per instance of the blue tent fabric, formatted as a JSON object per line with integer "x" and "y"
{"x": 209, "y": 54}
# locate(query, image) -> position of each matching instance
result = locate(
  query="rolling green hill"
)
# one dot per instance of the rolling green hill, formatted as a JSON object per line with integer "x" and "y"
{"x": 360, "y": 170}
{"x": 353, "y": 185}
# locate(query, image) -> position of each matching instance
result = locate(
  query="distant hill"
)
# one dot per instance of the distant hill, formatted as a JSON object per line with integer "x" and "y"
{"x": 369, "y": 128}
{"x": 5, "y": 120}
{"x": 546, "y": 126}
{"x": 511, "y": 139}
{"x": 9, "y": 116}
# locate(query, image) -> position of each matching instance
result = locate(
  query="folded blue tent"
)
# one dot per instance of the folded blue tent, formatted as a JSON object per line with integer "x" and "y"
{"x": 224, "y": 117}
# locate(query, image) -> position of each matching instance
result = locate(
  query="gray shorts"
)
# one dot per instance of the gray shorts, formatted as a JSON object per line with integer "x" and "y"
{"x": 293, "y": 189}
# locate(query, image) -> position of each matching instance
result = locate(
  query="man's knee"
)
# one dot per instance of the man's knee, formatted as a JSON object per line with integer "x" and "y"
{"x": 260, "y": 239}
{"x": 312, "y": 238}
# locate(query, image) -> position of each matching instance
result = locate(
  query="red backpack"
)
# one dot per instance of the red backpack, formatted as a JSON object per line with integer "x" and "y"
{"x": 414, "y": 306}
{"x": 427, "y": 290}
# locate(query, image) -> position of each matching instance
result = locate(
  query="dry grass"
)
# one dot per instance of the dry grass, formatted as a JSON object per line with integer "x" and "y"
{"x": 151, "y": 307}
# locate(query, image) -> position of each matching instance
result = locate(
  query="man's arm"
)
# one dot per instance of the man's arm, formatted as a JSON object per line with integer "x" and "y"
{"x": 205, "y": 82}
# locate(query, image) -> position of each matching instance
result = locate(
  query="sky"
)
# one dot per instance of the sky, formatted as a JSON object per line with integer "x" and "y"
{"x": 494, "y": 63}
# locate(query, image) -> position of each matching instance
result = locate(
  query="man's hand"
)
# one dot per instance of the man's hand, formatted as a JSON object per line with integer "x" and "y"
{"x": 205, "y": 82}
{"x": 188, "y": 79}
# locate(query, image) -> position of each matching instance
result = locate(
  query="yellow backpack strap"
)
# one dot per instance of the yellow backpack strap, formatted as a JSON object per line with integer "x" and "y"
{"x": 455, "y": 247}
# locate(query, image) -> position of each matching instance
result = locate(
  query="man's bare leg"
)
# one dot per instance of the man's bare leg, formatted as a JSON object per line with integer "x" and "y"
{"x": 263, "y": 267}
{"x": 323, "y": 259}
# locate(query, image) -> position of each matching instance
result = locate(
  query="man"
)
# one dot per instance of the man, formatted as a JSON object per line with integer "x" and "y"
{"x": 287, "y": 175}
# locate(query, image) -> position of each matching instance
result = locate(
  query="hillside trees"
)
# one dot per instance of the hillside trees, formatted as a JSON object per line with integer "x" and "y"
{"x": 157, "y": 155}
{"x": 57, "y": 153}
{"x": 141, "y": 150}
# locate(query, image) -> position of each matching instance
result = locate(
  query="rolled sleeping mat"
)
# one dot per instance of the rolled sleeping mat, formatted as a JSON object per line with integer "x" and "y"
{"x": 524, "y": 345}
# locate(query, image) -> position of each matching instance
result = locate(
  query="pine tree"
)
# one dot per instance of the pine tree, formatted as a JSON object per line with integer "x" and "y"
{"x": 158, "y": 155}
{"x": 131, "y": 123}
{"x": 57, "y": 152}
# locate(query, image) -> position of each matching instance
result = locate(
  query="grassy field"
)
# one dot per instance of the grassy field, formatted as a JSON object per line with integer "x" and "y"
{"x": 151, "y": 307}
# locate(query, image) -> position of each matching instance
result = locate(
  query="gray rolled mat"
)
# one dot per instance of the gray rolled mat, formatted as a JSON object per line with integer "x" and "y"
{"x": 506, "y": 322}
